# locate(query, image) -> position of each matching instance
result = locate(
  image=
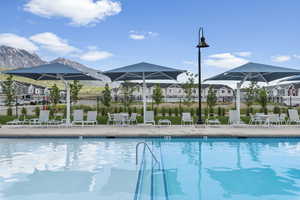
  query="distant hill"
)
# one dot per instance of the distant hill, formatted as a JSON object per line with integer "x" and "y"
{"x": 18, "y": 58}
{"x": 12, "y": 58}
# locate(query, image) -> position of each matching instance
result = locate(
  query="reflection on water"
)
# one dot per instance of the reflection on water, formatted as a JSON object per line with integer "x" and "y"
{"x": 194, "y": 169}
{"x": 253, "y": 181}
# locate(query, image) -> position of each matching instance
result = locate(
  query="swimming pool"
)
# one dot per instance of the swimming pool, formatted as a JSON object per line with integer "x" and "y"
{"x": 187, "y": 169}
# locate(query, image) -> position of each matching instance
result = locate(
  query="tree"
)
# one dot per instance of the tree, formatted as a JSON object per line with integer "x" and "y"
{"x": 262, "y": 99}
{"x": 189, "y": 87}
{"x": 251, "y": 93}
{"x": 75, "y": 88}
{"x": 211, "y": 99}
{"x": 54, "y": 95}
{"x": 9, "y": 91}
{"x": 106, "y": 96}
{"x": 157, "y": 95}
{"x": 126, "y": 93}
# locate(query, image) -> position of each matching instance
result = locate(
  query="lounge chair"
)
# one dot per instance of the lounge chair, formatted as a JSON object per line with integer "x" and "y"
{"x": 91, "y": 118}
{"x": 132, "y": 119}
{"x": 293, "y": 116}
{"x": 213, "y": 122}
{"x": 186, "y": 118}
{"x": 234, "y": 118}
{"x": 16, "y": 122}
{"x": 78, "y": 117}
{"x": 110, "y": 118}
{"x": 118, "y": 119}
{"x": 149, "y": 117}
{"x": 274, "y": 119}
{"x": 43, "y": 118}
{"x": 282, "y": 118}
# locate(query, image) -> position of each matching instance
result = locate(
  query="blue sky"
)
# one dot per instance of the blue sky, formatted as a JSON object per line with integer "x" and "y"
{"x": 106, "y": 34}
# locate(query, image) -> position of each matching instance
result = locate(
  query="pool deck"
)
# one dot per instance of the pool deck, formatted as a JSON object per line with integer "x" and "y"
{"x": 152, "y": 131}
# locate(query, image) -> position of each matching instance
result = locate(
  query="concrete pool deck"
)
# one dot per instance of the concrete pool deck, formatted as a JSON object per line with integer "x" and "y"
{"x": 152, "y": 131}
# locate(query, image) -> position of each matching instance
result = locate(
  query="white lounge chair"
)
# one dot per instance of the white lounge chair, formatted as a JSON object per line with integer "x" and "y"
{"x": 43, "y": 118}
{"x": 282, "y": 118}
{"x": 149, "y": 117}
{"x": 186, "y": 118}
{"x": 110, "y": 118}
{"x": 293, "y": 116}
{"x": 17, "y": 122}
{"x": 91, "y": 118}
{"x": 132, "y": 119}
{"x": 234, "y": 118}
{"x": 77, "y": 117}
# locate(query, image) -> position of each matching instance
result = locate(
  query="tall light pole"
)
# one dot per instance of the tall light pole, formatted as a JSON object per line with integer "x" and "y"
{"x": 201, "y": 44}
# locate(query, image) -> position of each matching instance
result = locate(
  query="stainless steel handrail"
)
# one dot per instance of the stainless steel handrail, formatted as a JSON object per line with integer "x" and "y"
{"x": 137, "y": 152}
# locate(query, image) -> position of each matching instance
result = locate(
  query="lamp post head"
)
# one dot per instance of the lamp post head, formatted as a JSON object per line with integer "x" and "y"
{"x": 202, "y": 42}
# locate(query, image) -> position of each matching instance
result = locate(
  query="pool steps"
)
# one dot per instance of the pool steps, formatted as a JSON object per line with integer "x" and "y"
{"x": 151, "y": 183}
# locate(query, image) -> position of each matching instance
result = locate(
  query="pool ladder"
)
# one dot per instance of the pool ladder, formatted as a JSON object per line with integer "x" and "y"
{"x": 149, "y": 149}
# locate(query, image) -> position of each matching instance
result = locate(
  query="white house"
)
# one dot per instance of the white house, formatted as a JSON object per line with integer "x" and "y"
{"x": 175, "y": 92}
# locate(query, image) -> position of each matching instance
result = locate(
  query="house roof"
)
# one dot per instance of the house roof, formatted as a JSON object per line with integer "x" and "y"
{"x": 167, "y": 85}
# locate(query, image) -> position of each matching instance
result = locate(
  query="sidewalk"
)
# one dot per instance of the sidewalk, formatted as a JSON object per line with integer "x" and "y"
{"x": 152, "y": 131}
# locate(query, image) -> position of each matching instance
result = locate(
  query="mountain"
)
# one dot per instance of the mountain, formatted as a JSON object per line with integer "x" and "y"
{"x": 83, "y": 68}
{"x": 18, "y": 58}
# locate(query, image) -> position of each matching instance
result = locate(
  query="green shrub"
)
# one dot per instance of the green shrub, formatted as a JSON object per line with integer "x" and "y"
{"x": 276, "y": 110}
{"x": 206, "y": 112}
{"x": 155, "y": 111}
{"x": 170, "y": 112}
{"x": 219, "y": 110}
{"x": 129, "y": 110}
{"x": 176, "y": 111}
{"x": 192, "y": 111}
{"x": 9, "y": 111}
{"x": 23, "y": 111}
{"x": 134, "y": 110}
{"x": 37, "y": 111}
{"x": 4, "y": 119}
{"x": 163, "y": 111}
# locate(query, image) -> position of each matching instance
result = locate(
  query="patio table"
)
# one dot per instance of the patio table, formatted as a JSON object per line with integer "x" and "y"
{"x": 164, "y": 121}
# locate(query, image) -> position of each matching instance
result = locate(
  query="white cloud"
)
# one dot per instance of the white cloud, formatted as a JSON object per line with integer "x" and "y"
{"x": 80, "y": 12}
{"x": 140, "y": 35}
{"x": 225, "y": 60}
{"x": 282, "y": 58}
{"x": 243, "y": 53}
{"x": 95, "y": 55}
{"x": 16, "y": 41}
{"x": 53, "y": 43}
{"x": 296, "y": 56}
{"x": 137, "y": 37}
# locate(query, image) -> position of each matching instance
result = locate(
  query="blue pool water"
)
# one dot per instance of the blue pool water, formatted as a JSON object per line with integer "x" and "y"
{"x": 187, "y": 169}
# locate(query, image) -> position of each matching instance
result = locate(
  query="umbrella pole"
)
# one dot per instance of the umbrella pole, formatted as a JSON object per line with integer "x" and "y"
{"x": 238, "y": 98}
{"x": 68, "y": 101}
{"x": 144, "y": 97}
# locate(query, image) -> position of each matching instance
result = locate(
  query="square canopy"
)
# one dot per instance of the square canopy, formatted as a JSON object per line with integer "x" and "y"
{"x": 150, "y": 71}
{"x": 256, "y": 72}
{"x": 52, "y": 71}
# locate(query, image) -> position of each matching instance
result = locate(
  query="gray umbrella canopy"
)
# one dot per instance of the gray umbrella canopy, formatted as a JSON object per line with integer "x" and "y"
{"x": 253, "y": 72}
{"x": 53, "y": 71}
{"x": 256, "y": 72}
{"x": 294, "y": 78}
{"x": 143, "y": 71}
{"x": 150, "y": 71}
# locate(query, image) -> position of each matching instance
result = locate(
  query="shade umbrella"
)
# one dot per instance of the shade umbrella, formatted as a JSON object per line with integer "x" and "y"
{"x": 54, "y": 71}
{"x": 253, "y": 72}
{"x": 143, "y": 71}
{"x": 293, "y": 78}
